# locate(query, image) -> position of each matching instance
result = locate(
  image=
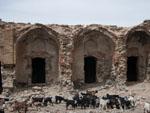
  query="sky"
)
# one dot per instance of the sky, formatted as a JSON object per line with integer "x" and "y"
{"x": 106, "y": 12}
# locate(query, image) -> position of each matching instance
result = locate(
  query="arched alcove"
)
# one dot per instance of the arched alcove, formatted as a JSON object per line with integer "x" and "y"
{"x": 97, "y": 45}
{"x": 37, "y": 47}
{"x": 138, "y": 48}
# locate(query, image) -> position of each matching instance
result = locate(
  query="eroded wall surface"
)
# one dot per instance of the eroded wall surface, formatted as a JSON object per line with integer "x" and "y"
{"x": 111, "y": 45}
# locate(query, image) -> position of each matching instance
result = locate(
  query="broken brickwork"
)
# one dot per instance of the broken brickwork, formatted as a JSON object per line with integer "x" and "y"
{"x": 64, "y": 48}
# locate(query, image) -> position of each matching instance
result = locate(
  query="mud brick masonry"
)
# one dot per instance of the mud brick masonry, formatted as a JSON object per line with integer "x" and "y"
{"x": 74, "y": 54}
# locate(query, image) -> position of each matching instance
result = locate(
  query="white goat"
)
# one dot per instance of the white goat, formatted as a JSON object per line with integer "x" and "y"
{"x": 103, "y": 103}
{"x": 146, "y": 107}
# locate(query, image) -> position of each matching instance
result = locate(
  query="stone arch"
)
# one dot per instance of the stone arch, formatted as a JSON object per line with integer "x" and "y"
{"x": 138, "y": 52}
{"x": 37, "y": 42}
{"x": 97, "y": 42}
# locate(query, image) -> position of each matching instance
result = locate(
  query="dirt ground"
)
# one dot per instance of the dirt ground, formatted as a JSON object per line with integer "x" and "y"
{"x": 141, "y": 92}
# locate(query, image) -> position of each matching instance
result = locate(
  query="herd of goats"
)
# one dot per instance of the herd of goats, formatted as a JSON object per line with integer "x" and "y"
{"x": 80, "y": 100}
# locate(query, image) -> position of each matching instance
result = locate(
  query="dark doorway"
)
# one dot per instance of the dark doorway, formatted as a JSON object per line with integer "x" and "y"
{"x": 90, "y": 69}
{"x": 132, "y": 71}
{"x": 1, "y": 86}
{"x": 38, "y": 70}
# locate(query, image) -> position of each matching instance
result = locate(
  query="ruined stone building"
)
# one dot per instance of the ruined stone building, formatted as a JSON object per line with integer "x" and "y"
{"x": 73, "y": 54}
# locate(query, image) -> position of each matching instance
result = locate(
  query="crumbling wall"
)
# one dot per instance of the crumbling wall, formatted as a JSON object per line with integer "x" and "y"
{"x": 7, "y": 48}
{"x": 107, "y": 43}
{"x": 1, "y": 45}
{"x": 119, "y": 64}
{"x": 66, "y": 61}
{"x": 7, "y": 54}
